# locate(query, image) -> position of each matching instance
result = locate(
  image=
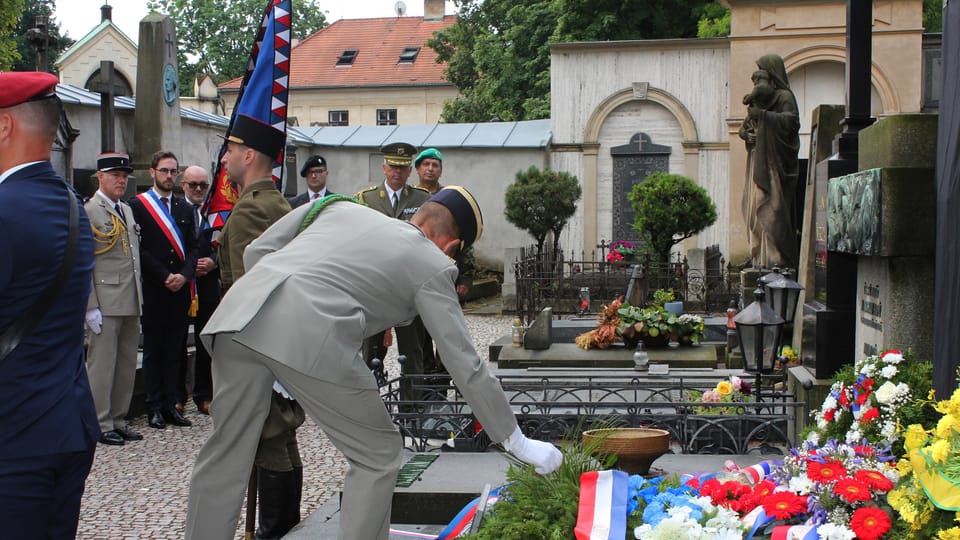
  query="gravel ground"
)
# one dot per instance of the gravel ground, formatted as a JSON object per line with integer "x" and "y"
{"x": 139, "y": 491}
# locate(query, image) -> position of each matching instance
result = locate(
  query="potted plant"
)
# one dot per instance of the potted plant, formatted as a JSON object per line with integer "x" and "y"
{"x": 622, "y": 251}
{"x": 688, "y": 329}
{"x": 667, "y": 299}
{"x": 651, "y": 324}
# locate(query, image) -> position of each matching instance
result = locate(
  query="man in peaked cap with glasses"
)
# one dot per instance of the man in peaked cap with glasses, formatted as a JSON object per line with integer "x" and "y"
{"x": 335, "y": 273}
{"x": 50, "y": 425}
{"x": 395, "y": 198}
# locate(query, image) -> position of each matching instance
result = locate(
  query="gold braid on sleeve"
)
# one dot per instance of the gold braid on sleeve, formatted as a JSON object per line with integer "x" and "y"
{"x": 109, "y": 239}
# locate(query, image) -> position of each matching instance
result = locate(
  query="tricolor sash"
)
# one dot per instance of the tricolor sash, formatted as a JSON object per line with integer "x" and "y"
{"x": 602, "y": 514}
{"x": 461, "y": 522}
{"x": 164, "y": 220}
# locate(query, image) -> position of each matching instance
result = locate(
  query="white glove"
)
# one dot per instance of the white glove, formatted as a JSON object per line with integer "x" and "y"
{"x": 278, "y": 388}
{"x": 94, "y": 320}
{"x": 543, "y": 456}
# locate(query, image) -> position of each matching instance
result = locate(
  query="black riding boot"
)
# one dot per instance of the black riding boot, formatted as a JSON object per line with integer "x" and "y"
{"x": 273, "y": 495}
{"x": 295, "y": 490}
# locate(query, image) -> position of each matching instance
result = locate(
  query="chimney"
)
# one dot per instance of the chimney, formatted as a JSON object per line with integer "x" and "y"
{"x": 433, "y": 10}
{"x": 106, "y": 12}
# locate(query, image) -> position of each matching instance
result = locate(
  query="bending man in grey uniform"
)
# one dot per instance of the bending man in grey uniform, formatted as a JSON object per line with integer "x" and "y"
{"x": 300, "y": 314}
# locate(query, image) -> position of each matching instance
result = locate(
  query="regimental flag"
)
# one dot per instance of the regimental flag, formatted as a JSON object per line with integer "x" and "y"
{"x": 263, "y": 95}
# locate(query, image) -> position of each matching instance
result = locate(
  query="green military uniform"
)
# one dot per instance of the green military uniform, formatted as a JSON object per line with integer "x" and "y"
{"x": 411, "y": 197}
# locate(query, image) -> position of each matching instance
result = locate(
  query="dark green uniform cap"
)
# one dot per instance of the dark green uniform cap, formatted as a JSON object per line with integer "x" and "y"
{"x": 398, "y": 153}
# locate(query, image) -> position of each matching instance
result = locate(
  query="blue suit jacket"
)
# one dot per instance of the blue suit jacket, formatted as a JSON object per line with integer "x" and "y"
{"x": 47, "y": 407}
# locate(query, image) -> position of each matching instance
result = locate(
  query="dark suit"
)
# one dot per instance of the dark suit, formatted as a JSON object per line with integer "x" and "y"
{"x": 304, "y": 198}
{"x": 49, "y": 421}
{"x": 165, "y": 313}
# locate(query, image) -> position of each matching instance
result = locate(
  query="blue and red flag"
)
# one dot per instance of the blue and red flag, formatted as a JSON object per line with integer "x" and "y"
{"x": 263, "y": 95}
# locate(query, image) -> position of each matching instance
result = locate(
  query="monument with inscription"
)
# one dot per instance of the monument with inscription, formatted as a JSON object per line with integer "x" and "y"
{"x": 157, "y": 116}
{"x": 632, "y": 163}
{"x": 885, "y": 215}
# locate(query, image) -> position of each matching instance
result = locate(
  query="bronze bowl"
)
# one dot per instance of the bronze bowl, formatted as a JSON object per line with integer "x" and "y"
{"x": 636, "y": 448}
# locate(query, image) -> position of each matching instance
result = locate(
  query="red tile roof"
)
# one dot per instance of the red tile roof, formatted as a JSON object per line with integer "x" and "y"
{"x": 380, "y": 43}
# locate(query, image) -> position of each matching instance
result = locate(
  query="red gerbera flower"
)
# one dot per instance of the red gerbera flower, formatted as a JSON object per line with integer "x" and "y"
{"x": 784, "y": 504}
{"x": 875, "y": 479}
{"x": 852, "y": 490}
{"x": 830, "y": 471}
{"x": 870, "y": 523}
{"x": 872, "y": 414}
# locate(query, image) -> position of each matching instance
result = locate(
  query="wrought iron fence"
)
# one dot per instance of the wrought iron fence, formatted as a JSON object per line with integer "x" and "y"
{"x": 544, "y": 280}
{"x": 555, "y": 407}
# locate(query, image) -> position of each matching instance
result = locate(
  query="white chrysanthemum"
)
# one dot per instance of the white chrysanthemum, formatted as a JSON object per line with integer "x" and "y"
{"x": 830, "y": 531}
{"x": 801, "y": 485}
{"x": 822, "y": 423}
{"x": 813, "y": 436}
{"x": 889, "y": 430}
{"x": 868, "y": 369}
{"x": 893, "y": 358}
{"x": 889, "y": 371}
{"x": 829, "y": 402}
{"x": 853, "y": 435}
{"x": 887, "y": 392}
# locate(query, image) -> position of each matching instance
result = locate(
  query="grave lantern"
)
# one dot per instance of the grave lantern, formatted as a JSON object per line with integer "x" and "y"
{"x": 784, "y": 293}
{"x": 768, "y": 278}
{"x": 759, "y": 329}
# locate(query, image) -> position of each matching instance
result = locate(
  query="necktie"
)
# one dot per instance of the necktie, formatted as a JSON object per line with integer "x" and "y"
{"x": 120, "y": 212}
{"x": 166, "y": 204}
{"x": 396, "y": 201}
{"x": 196, "y": 217}
{"x": 315, "y": 197}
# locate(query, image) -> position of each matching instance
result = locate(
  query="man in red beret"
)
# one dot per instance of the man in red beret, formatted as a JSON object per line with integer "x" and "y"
{"x": 50, "y": 425}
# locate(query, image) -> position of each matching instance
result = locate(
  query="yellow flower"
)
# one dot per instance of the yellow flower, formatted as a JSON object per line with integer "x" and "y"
{"x": 724, "y": 388}
{"x": 915, "y": 436}
{"x": 895, "y": 498}
{"x": 931, "y": 394}
{"x": 940, "y": 450}
{"x": 908, "y": 513}
{"x": 904, "y": 467}
{"x": 949, "y": 534}
{"x": 947, "y": 425}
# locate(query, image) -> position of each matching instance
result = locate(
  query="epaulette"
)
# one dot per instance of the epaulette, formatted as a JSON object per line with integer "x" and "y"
{"x": 359, "y": 194}
{"x": 418, "y": 188}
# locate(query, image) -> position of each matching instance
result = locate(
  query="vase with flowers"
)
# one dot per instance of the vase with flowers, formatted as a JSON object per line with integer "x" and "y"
{"x": 623, "y": 252}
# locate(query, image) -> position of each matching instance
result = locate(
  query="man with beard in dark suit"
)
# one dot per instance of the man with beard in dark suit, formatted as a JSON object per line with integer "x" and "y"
{"x": 168, "y": 257}
{"x": 50, "y": 426}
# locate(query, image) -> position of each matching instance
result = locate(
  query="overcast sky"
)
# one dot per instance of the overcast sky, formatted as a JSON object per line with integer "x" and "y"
{"x": 77, "y": 17}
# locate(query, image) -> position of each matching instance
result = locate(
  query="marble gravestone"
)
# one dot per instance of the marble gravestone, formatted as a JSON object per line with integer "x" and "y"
{"x": 157, "y": 116}
{"x": 885, "y": 215}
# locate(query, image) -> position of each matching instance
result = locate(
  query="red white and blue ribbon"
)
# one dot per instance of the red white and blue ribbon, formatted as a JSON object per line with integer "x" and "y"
{"x": 795, "y": 532}
{"x": 602, "y": 514}
{"x": 164, "y": 220}
{"x": 757, "y": 472}
{"x": 460, "y": 524}
{"x": 755, "y": 520}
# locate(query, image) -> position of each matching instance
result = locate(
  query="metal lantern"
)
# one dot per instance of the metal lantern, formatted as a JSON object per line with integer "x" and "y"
{"x": 583, "y": 301}
{"x": 767, "y": 278}
{"x": 784, "y": 293}
{"x": 759, "y": 329}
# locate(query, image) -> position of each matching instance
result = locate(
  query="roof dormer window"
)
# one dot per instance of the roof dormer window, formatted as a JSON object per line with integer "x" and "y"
{"x": 408, "y": 55}
{"x": 347, "y": 57}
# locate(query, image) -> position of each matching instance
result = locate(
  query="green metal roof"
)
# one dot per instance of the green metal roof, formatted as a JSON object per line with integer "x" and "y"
{"x": 90, "y": 35}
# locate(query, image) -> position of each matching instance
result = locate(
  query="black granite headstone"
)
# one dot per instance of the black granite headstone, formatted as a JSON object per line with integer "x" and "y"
{"x": 632, "y": 163}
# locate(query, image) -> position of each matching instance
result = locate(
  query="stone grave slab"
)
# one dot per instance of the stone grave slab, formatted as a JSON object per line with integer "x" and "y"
{"x": 564, "y": 355}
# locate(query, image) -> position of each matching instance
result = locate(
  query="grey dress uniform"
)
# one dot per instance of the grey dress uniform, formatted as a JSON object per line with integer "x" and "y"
{"x": 112, "y": 354}
{"x": 299, "y": 315}
{"x": 410, "y": 337}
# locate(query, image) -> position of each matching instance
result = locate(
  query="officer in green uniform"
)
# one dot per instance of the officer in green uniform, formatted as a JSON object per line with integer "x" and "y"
{"x": 395, "y": 198}
{"x": 252, "y": 146}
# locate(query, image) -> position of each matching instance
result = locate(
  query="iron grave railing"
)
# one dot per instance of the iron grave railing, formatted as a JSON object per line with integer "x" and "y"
{"x": 543, "y": 280}
{"x": 553, "y": 407}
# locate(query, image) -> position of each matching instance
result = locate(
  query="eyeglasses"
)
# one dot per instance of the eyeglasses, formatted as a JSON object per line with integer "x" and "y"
{"x": 174, "y": 172}
{"x": 197, "y": 185}
{"x": 313, "y": 172}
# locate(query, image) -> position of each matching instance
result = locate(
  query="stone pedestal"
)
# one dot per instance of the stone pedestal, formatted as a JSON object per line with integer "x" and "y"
{"x": 885, "y": 215}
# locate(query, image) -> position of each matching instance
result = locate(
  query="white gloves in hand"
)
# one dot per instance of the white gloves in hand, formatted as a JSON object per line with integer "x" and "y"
{"x": 94, "y": 320}
{"x": 278, "y": 388}
{"x": 543, "y": 456}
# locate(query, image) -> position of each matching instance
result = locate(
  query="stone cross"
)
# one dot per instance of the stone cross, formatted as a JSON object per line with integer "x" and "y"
{"x": 108, "y": 90}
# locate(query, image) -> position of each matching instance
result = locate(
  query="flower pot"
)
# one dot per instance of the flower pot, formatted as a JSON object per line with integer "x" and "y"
{"x": 686, "y": 341}
{"x": 636, "y": 448}
{"x": 660, "y": 341}
{"x": 674, "y": 307}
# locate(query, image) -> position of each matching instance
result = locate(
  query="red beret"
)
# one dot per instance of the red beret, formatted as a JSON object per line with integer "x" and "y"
{"x": 22, "y": 86}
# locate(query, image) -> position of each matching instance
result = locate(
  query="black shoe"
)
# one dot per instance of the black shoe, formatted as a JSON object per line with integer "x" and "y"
{"x": 112, "y": 438}
{"x": 174, "y": 418}
{"x": 128, "y": 434}
{"x": 156, "y": 420}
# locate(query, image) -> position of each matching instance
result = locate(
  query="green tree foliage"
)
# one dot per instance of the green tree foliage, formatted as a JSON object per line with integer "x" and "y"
{"x": 715, "y": 21}
{"x": 216, "y": 36}
{"x": 27, "y": 22}
{"x": 498, "y": 52}
{"x": 541, "y": 202}
{"x": 933, "y": 15}
{"x": 10, "y": 11}
{"x": 669, "y": 209}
